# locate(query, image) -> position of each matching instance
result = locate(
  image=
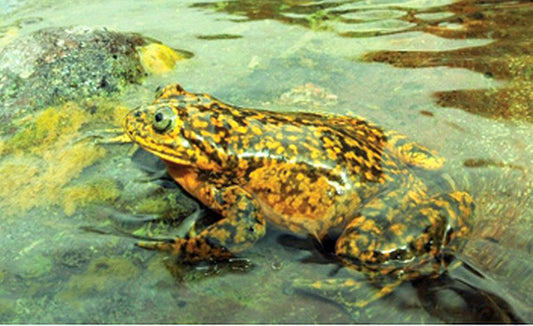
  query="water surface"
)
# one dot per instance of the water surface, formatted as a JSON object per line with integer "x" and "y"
{"x": 454, "y": 75}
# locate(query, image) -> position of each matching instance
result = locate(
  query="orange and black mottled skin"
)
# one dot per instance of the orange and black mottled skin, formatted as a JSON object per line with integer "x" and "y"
{"x": 306, "y": 173}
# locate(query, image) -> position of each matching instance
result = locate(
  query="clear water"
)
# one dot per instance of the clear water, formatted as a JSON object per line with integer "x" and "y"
{"x": 454, "y": 75}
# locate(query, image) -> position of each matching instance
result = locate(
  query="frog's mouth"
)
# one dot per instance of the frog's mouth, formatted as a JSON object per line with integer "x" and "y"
{"x": 169, "y": 159}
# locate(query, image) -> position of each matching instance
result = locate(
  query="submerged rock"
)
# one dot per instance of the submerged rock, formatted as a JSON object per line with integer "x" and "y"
{"x": 55, "y": 65}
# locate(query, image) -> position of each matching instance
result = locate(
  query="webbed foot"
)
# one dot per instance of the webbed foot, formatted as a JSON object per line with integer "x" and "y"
{"x": 353, "y": 295}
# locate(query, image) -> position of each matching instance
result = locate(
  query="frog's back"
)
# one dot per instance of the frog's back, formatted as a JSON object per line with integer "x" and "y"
{"x": 266, "y": 138}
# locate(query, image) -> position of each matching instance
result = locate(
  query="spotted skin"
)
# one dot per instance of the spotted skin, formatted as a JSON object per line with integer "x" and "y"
{"x": 309, "y": 174}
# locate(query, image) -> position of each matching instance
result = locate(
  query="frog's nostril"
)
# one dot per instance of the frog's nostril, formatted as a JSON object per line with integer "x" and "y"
{"x": 137, "y": 114}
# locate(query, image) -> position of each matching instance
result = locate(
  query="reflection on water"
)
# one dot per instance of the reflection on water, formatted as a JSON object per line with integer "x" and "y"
{"x": 347, "y": 18}
{"x": 455, "y": 75}
{"x": 508, "y": 57}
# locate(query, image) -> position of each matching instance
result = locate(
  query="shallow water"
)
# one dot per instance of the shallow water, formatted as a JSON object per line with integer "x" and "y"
{"x": 454, "y": 75}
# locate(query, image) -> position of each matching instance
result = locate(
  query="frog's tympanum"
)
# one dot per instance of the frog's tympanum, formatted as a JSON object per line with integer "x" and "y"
{"x": 309, "y": 174}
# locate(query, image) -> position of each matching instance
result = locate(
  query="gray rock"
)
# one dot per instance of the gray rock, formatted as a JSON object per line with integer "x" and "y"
{"x": 55, "y": 65}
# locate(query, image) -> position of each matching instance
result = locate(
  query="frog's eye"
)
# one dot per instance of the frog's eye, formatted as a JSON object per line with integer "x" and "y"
{"x": 163, "y": 118}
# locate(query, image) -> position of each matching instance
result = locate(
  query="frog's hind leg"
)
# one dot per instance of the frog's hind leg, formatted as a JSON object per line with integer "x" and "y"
{"x": 396, "y": 242}
{"x": 391, "y": 246}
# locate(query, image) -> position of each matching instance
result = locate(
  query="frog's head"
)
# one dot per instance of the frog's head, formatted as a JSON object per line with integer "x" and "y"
{"x": 161, "y": 129}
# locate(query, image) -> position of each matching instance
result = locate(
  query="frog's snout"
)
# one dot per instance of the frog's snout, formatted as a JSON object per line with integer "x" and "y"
{"x": 138, "y": 115}
{"x": 133, "y": 120}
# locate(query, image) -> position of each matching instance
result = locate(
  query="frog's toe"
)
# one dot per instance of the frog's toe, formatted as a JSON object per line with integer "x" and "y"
{"x": 105, "y": 136}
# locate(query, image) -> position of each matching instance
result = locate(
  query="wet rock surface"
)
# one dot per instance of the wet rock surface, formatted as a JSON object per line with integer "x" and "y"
{"x": 54, "y": 65}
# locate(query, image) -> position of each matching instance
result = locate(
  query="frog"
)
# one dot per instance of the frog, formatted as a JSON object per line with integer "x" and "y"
{"x": 310, "y": 174}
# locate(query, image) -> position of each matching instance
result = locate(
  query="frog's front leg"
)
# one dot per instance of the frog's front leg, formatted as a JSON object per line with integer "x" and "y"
{"x": 241, "y": 226}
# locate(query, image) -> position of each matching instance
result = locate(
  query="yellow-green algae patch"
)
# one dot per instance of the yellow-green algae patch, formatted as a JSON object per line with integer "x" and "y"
{"x": 158, "y": 58}
{"x": 154, "y": 205}
{"x": 43, "y": 156}
{"x": 38, "y": 132}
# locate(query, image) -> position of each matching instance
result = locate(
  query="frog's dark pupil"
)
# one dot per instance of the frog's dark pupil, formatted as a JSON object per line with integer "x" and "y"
{"x": 158, "y": 117}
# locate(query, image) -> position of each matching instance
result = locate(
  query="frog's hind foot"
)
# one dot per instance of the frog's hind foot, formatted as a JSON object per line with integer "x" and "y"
{"x": 352, "y": 295}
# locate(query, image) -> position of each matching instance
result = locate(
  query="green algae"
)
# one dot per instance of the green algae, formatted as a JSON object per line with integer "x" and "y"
{"x": 33, "y": 182}
{"x": 45, "y": 154}
{"x": 8, "y": 35}
{"x": 156, "y": 205}
{"x": 7, "y": 309}
{"x": 36, "y": 133}
{"x": 317, "y": 20}
{"x": 43, "y": 157}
